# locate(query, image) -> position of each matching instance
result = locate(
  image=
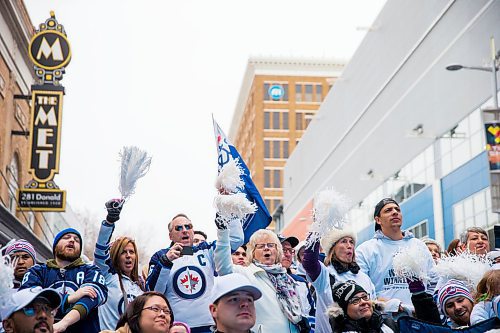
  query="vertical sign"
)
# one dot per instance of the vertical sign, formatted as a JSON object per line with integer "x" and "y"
{"x": 50, "y": 52}
{"x": 491, "y": 120}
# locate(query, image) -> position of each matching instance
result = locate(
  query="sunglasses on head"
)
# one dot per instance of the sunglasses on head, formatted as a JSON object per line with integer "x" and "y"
{"x": 183, "y": 226}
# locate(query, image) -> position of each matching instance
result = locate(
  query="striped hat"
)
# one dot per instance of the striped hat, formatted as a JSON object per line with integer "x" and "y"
{"x": 452, "y": 288}
{"x": 21, "y": 245}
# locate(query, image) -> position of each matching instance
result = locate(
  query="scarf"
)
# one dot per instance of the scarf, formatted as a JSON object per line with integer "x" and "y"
{"x": 285, "y": 290}
{"x": 340, "y": 268}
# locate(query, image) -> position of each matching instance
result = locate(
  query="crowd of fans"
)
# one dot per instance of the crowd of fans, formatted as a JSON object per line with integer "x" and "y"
{"x": 324, "y": 283}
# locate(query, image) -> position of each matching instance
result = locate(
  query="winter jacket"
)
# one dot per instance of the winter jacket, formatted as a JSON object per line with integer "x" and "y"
{"x": 485, "y": 310}
{"x": 67, "y": 280}
{"x": 377, "y": 323}
{"x": 269, "y": 318}
{"x": 375, "y": 259}
{"x": 322, "y": 277}
{"x": 110, "y": 312}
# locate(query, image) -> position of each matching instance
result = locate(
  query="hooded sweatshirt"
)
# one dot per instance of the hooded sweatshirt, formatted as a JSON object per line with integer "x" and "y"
{"x": 375, "y": 257}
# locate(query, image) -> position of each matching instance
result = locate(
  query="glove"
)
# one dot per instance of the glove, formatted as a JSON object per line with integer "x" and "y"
{"x": 221, "y": 225}
{"x": 114, "y": 207}
{"x": 416, "y": 286}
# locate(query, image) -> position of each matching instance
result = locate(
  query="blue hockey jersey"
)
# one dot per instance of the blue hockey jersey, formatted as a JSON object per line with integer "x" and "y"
{"x": 67, "y": 280}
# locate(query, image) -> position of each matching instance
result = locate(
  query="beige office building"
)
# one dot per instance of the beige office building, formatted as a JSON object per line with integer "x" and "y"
{"x": 279, "y": 97}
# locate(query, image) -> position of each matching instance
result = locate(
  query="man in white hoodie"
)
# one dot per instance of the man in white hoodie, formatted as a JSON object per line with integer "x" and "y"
{"x": 375, "y": 257}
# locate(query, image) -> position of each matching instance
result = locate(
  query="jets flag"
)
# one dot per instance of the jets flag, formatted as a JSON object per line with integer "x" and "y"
{"x": 226, "y": 151}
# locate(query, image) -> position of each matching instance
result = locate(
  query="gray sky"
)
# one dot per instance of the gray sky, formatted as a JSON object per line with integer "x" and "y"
{"x": 150, "y": 73}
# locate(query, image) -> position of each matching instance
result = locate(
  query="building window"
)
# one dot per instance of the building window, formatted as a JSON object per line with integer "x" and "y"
{"x": 13, "y": 176}
{"x": 2, "y": 86}
{"x": 298, "y": 93}
{"x": 268, "y": 204}
{"x": 299, "y": 126}
{"x": 276, "y": 120}
{"x": 285, "y": 149}
{"x": 462, "y": 143}
{"x": 283, "y": 88}
{"x": 276, "y": 149}
{"x": 277, "y": 179}
{"x": 280, "y": 149}
{"x": 420, "y": 229}
{"x": 319, "y": 93}
{"x": 284, "y": 116}
{"x": 267, "y": 178}
{"x": 474, "y": 211}
{"x": 272, "y": 178}
{"x": 308, "y": 92}
{"x": 302, "y": 119}
{"x": 267, "y": 149}
{"x": 267, "y": 120}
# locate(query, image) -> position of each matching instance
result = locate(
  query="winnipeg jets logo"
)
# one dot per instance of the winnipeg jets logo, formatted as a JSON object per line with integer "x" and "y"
{"x": 189, "y": 282}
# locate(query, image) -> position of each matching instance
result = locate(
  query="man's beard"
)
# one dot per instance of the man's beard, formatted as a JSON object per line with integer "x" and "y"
{"x": 66, "y": 257}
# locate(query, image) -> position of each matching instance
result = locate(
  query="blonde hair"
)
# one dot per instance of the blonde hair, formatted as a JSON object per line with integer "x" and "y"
{"x": 258, "y": 235}
{"x": 488, "y": 286}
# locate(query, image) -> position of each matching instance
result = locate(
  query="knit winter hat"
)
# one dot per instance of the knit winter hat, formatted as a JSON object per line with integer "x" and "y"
{"x": 343, "y": 292}
{"x": 64, "y": 232}
{"x": 452, "y": 288}
{"x": 330, "y": 239}
{"x": 21, "y": 245}
{"x": 378, "y": 209}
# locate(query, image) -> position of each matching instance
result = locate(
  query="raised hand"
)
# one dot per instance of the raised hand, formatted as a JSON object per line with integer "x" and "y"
{"x": 114, "y": 208}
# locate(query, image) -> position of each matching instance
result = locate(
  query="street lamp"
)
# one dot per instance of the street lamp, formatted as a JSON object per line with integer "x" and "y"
{"x": 495, "y": 56}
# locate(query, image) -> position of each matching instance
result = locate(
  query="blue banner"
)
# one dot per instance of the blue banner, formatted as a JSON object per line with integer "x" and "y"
{"x": 226, "y": 151}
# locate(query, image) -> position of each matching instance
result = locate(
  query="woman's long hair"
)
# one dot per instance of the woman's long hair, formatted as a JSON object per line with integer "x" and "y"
{"x": 488, "y": 287}
{"x": 133, "y": 312}
{"x": 115, "y": 252}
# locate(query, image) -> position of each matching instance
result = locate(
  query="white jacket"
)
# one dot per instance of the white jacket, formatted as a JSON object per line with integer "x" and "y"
{"x": 485, "y": 310}
{"x": 375, "y": 257}
{"x": 269, "y": 317}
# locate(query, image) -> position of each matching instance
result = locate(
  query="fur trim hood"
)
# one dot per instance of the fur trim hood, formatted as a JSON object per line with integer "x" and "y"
{"x": 334, "y": 236}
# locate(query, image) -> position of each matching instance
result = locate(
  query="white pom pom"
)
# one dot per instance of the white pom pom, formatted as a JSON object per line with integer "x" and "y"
{"x": 229, "y": 177}
{"x": 135, "y": 164}
{"x": 329, "y": 211}
{"x": 466, "y": 266}
{"x": 6, "y": 278}
{"x": 409, "y": 262}
{"x": 234, "y": 205}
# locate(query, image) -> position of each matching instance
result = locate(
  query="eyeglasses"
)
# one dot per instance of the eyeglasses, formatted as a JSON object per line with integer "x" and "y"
{"x": 185, "y": 226}
{"x": 357, "y": 300}
{"x": 291, "y": 251}
{"x": 263, "y": 245}
{"x": 156, "y": 309}
{"x": 32, "y": 310}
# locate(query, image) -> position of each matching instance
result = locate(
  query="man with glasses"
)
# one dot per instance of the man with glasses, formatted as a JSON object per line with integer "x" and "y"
{"x": 353, "y": 311}
{"x": 30, "y": 310}
{"x": 185, "y": 273}
{"x": 307, "y": 302}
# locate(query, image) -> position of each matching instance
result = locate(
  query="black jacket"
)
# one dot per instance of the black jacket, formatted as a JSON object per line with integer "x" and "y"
{"x": 340, "y": 323}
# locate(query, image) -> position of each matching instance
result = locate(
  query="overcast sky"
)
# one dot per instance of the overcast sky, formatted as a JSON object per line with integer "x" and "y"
{"x": 151, "y": 73}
